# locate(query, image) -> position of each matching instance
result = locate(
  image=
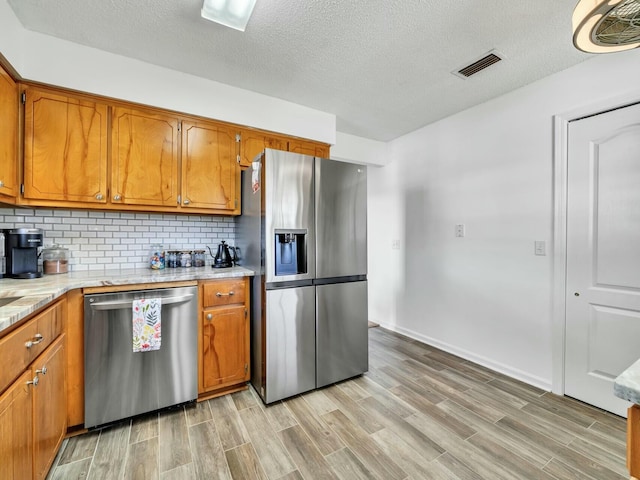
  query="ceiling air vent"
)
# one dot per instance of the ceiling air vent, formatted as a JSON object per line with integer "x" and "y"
{"x": 478, "y": 65}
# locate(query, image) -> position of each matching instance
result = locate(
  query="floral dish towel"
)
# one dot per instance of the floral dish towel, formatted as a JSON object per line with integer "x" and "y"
{"x": 147, "y": 324}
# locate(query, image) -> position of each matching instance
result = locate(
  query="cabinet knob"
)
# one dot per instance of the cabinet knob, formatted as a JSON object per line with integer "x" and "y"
{"x": 209, "y": 316}
{"x": 34, "y": 382}
{"x": 117, "y": 197}
{"x": 99, "y": 196}
{"x": 1, "y": 184}
{"x": 186, "y": 201}
{"x": 42, "y": 370}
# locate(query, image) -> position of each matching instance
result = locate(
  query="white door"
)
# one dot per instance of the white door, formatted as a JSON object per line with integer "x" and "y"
{"x": 603, "y": 255}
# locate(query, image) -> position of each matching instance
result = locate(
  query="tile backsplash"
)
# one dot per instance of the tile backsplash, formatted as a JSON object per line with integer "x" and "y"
{"x": 106, "y": 240}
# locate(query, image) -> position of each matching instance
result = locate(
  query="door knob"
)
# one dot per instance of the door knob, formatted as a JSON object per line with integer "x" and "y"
{"x": 209, "y": 316}
{"x": 577, "y": 294}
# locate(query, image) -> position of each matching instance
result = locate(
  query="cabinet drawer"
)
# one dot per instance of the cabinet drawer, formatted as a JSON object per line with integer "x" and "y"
{"x": 22, "y": 346}
{"x": 224, "y": 292}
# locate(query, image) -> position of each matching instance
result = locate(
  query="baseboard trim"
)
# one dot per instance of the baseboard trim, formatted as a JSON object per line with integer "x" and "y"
{"x": 485, "y": 362}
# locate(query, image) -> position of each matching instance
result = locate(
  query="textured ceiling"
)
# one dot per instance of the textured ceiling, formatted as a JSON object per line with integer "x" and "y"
{"x": 383, "y": 67}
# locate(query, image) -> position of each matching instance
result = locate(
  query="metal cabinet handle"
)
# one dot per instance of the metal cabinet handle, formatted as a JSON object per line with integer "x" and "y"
{"x": 1, "y": 184}
{"x": 36, "y": 340}
{"x": 218, "y": 294}
{"x": 42, "y": 370}
{"x": 99, "y": 196}
{"x": 117, "y": 197}
{"x": 186, "y": 201}
{"x": 209, "y": 316}
{"x": 34, "y": 382}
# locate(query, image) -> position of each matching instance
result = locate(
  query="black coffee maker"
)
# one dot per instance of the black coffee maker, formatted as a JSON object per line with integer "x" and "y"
{"x": 21, "y": 249}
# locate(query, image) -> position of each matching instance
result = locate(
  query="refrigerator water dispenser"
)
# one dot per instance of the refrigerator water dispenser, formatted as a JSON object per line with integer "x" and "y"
{"x": 290, "y": 254}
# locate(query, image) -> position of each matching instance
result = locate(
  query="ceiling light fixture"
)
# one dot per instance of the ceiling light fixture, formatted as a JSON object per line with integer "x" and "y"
{"x": 231, "y": 13}
{"x": 601, "y": 26}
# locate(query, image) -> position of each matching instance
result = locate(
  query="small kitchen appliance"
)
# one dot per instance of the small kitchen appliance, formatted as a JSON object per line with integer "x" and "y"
{"x": 21, "y": 250}
{"x": 224, "y": 258}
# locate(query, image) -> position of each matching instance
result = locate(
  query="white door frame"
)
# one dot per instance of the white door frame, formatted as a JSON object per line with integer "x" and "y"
{"x": 559, "y": 275}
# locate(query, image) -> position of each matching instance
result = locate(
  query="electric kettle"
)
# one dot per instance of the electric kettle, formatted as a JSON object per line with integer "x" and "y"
{"x": 223, "y": 258}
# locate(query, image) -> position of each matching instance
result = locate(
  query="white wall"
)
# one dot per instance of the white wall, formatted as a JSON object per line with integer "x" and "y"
{"x": 485, "y": 297}
{"x": 50, "y": 60}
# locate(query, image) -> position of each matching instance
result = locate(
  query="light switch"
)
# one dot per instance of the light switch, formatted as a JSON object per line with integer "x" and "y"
{"x": 460, "y": 230}
{"x": 540, "y": 247}
{"x": 395, "y": 244}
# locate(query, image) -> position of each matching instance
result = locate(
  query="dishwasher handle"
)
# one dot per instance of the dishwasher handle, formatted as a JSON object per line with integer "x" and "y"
{"x": 119, "y": 304}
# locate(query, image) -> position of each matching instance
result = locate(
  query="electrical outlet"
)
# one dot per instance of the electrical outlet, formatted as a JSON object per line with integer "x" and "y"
{"x": 460, "y": 230}
{"x": 395, "y": 244}
{"x": 540, "y": 247}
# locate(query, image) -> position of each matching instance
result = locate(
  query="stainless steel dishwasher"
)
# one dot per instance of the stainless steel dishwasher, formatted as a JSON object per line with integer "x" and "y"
{"x": 121, "y": 383}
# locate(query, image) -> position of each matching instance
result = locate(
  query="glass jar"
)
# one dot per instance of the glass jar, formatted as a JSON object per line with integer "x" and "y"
{"x": 156, "y": 257}
{"x": 198, "y": 258}
{"x": 185, "y": 258}
{"x": 55, "y": 259}
{"x": 171, "y": 259}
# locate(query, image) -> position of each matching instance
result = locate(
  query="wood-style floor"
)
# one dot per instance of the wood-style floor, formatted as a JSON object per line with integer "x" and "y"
{"x": 419, "y": 413}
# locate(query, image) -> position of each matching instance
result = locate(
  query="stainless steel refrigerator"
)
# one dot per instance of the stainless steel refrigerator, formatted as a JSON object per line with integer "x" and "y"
{"x": 303, "y": 230}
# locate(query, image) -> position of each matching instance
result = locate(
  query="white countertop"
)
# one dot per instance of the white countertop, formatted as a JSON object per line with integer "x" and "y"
{"x": 38, "y": 292}
{"x": 627, "y": 384}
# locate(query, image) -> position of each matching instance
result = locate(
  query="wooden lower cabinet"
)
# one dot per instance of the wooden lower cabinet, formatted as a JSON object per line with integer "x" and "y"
{"x": 33, "y": 405}
{"x": 633, "y": 441}
{"x": 16, "y": 430}
{"x": 49, "y": 407}
{"x": 33, "y": 417}
{"x": 223, "y": 340}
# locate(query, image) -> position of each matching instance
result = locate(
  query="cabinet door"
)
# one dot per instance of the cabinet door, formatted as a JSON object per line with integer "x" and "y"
{"x": 65, "y": 148}
{"x": 225, "y": 342}
{"x": 144, "y": 152}
{"x": 49, "y": 407}
{"x": 16, "y": 429}
{"x": 254, "y": 142}
{"x": 8, "y": 136}
{"x": 210, "y": 173}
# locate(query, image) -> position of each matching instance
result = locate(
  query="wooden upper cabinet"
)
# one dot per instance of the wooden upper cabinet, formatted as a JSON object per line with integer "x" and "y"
{"x": 8, "y": 136}
{"x": 144, "y": 158}
{"x": 210, "y": 172}
{"x": 253, "y": 142}
{"x": 65, "y": 148}
{"x": 309, "y": 148}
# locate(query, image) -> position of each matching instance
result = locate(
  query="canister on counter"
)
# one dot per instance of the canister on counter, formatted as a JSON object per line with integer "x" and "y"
{"x": 198, "y": 258}
{"x": 55, "y": 259}
{"x": 156, "y": 257}
{"x": 185, "y": 258}
{"x": 171, "y": 259}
